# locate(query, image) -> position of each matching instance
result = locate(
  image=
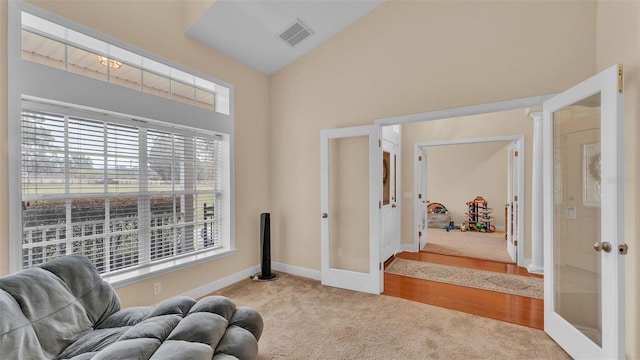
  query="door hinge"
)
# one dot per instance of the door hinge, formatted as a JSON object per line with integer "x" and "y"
{"x": 419, "y": 196}
{"x": 379, "y": 143}
{"x": 515, "y": 243}
{"x": 379, "y": 204}
{"x": 380, "y": 266}
{"x": 515, "y": 154}
{"x": 620, "y": 77}
{"x": 515, "y": 198}
{"x": 419, "y": 158}
{"x": 419, "y": 233}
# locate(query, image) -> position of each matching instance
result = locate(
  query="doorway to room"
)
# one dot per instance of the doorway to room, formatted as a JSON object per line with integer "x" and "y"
{"x": 502, "y": 133}
{"x": 450, "y": 177}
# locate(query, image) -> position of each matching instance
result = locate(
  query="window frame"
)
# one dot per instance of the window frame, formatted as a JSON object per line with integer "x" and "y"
{"x": 31, "y": 81}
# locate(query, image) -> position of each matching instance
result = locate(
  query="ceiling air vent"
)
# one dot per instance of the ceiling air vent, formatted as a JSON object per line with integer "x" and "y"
{"x": 295, "y": 33}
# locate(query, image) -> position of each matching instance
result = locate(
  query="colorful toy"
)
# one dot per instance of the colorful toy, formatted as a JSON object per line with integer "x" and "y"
{"x": 452, "y": 226}
{"x": 479, "y": 216}
{"x": 437, "y": 208}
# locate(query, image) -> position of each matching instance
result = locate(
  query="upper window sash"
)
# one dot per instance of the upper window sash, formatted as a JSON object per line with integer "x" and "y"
{"x": 112, "y": 52}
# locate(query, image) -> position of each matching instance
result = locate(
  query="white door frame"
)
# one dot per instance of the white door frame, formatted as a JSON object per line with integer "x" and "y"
{"x": 487, "y": 108}
{"x": 372, "y": 281}
{"x": 517, "y": 140}
{"x": 443, "y": 114}
{"x": 612, "y": 220}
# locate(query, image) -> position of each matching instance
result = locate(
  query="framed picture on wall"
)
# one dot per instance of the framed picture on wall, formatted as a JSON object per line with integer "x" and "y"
{"x": 591, "y": 179}
{"x": 386, "y": 184}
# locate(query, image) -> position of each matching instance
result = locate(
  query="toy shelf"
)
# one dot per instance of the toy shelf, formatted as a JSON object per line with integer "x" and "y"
{"x": 479, "y": 216}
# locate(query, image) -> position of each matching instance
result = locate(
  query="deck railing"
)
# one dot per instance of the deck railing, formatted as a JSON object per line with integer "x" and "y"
{"x": 116, "y": 247}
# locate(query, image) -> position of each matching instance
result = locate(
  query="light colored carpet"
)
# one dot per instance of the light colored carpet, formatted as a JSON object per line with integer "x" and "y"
{"x": 488, "y": 246}
{"x": 305, "y": 320}
{"x": 479, "y": 279}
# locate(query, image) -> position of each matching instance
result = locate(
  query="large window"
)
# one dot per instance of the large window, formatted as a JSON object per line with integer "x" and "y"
{"x": 124, "y": 193}
{"x": 115, "y": 152}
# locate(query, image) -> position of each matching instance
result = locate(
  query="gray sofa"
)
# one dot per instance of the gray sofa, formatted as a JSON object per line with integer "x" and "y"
{"x": 64, "y": 310}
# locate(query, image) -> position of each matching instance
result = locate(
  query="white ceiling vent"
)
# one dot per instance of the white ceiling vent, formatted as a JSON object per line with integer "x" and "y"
{"x": 295, "y": 33}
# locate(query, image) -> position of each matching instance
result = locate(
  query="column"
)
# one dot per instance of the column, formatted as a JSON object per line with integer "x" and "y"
{"x": 537, "y": 249}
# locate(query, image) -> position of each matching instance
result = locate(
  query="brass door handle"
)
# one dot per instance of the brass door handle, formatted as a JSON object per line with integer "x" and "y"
{"x": 605, "y": 246}
{"x": 394, "y": 205}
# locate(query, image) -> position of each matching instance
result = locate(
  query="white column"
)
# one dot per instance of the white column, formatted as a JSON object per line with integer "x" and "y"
{"x": 537, "y": 258}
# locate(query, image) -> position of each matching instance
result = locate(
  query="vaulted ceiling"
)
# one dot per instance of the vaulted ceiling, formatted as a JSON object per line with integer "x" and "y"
{"x": 255, "y": 32}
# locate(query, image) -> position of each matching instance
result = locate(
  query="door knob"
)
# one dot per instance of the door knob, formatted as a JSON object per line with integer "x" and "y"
{"x": 325, "y": 215}
{"x": 605, "y": 246}
{"x": 394, "y": 205}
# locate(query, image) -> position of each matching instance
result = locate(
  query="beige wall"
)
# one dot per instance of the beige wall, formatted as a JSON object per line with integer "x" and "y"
{"x": 618, "y": 41}
{"x": 193, "y": 10}
{"x": 156, "y": 26}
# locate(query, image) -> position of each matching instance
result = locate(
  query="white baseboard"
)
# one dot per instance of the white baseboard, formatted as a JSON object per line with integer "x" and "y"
{"x": 245, "y": 274}
{"x": 524, "y": 262}
{"x": 219, "y": 284}
{"x": 534, "y": 269}
{"x": 408, "y": 247}
{"x": 296, "y": 270}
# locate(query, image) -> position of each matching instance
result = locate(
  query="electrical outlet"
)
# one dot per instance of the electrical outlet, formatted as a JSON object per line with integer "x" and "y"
{"x": 157, "y": 288}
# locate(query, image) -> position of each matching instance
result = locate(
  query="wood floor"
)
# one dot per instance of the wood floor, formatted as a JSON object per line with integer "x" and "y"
{"x": 505, "y": 307}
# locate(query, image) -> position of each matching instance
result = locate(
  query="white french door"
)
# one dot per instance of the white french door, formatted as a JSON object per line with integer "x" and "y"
{"x": 584, "y": 218}
{"x": 350, "y": 215}
{"x": 420, "y": 193}
{"x": 390, "y": 211}
{"x": 513, "y": 193}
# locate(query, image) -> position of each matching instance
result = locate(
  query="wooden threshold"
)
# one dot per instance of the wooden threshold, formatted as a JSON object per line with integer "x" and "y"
{"x": 515, "y": 309}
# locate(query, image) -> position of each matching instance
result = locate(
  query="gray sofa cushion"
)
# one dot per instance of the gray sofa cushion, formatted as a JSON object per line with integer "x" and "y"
{"x": 65, "y": 310}
{"x": 53, "y": 306}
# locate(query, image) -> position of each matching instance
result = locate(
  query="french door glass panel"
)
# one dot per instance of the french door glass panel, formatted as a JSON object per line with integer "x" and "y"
{"x": 349, "y": 204}
{"x": 577, "y": 222}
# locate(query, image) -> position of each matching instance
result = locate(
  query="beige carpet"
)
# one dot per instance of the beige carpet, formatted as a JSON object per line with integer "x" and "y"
{"x": 487, "y": 280}
{"x": 488, "y": 246}
{"x": 304, "y": 320}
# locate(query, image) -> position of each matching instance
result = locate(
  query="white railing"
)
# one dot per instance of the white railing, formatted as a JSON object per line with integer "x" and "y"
{"x": 117, "y": 246}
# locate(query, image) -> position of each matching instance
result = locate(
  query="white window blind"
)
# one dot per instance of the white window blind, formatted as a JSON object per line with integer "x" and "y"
{"x": 124, "y": 193}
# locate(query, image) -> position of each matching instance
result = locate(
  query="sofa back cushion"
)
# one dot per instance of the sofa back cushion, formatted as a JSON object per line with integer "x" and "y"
{"x": 46, "y": 308}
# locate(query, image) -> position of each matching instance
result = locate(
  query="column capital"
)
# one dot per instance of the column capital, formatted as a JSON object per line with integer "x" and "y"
{"x": 535, "y": 115}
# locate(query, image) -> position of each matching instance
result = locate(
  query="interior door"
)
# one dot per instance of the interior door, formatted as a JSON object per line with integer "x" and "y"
{"x": 390, "y": 211}
{"x": 584, "y": 218}
{"x": 513, "y": 183}
{"x": 421, "y": 201}
{"x": 350, "y": 217}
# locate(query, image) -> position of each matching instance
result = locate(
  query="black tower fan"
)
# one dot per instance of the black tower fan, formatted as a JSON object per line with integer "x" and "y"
{"x": 265, "y": 250}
